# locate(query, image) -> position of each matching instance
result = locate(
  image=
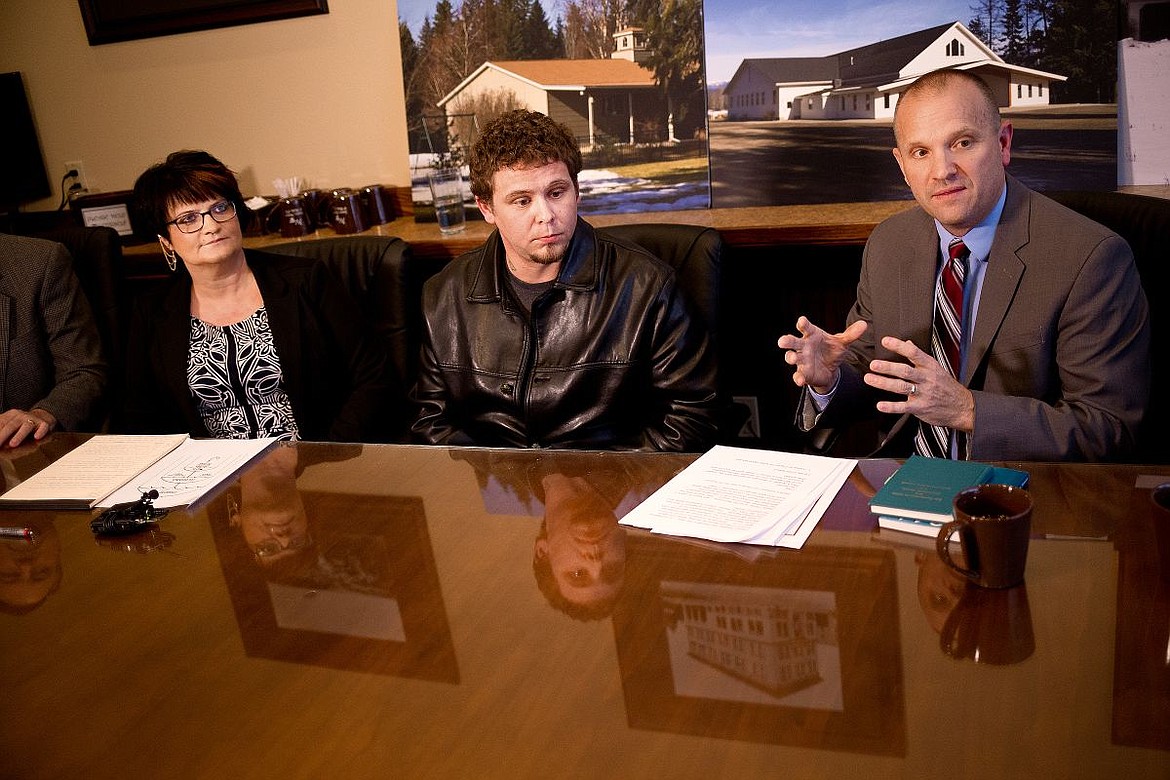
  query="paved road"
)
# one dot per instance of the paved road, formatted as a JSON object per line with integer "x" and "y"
{"x": 776, "y": 164}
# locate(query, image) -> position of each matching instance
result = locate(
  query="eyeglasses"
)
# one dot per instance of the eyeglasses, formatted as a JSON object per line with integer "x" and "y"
{"x": 268, "y": 548}
{"x": 192, "y": 221}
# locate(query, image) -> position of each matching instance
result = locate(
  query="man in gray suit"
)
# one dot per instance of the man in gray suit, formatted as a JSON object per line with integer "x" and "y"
{"x": 1053, "y": 354}
{"x": 52, "y": 373}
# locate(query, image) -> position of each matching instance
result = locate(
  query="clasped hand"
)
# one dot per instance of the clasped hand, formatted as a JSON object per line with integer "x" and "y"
{"x": 932, "y": 394}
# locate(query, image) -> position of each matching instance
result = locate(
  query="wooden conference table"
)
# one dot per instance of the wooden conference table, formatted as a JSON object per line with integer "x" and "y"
{"x": 424, "y": 612}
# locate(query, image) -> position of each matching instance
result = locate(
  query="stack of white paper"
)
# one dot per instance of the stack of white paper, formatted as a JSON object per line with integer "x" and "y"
{"x": 108, "y": 470}
{"x": 732, "y": 494}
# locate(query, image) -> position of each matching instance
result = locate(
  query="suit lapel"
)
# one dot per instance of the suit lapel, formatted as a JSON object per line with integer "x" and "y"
{"x": 918, "y": 271}
{"x": 5, "y": 340}
{"x": 1002, "y": 279}
{"x": 283, "y": 321}
{"x": 175, "y": 338}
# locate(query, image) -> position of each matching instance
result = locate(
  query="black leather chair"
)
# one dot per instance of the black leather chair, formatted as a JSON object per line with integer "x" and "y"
{"x": 379, "y": 274}
{"x": 1144, "y": 222}
{"x": 696, "y": 254}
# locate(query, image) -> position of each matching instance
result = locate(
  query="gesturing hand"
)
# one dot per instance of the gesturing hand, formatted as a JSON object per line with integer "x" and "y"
{"x": 817, "y": 354}
{"x": 932, "y": 394}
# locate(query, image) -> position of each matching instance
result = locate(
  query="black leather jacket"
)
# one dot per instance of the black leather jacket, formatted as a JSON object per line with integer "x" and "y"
{"x": 610, "y": 358}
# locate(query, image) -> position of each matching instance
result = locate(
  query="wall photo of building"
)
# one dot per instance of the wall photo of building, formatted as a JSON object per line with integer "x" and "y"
{"x": 864, "y": 82}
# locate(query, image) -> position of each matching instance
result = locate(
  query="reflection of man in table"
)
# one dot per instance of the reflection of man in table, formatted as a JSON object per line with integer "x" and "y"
{"x": 30, "y": 571}
{"x": 579, "y": 558}
{"x": 579, "y": 554}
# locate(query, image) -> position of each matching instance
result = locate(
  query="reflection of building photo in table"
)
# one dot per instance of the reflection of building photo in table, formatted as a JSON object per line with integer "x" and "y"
{"x": 358, "y": 591}
{"x": 783, "y": 650}
{"x": 753, "y": 644}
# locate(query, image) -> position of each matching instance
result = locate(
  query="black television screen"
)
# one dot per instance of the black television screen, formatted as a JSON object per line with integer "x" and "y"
{"x": 22, "y": 168}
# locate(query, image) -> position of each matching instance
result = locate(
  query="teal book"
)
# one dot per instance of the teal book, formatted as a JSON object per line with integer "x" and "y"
{"x": 922, "y": 488}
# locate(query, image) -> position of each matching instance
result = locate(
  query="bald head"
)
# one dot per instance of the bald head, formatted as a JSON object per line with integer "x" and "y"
{"x": 936, "y": 83}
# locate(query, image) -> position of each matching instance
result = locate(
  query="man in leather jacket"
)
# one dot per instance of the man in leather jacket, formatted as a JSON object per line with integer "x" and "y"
{"x": 553, "y": 334}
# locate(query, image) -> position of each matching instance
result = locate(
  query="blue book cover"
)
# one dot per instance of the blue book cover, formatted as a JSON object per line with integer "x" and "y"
{"x": 922, "y": 488}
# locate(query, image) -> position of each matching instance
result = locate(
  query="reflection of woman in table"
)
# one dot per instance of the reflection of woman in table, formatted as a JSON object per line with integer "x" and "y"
{"x": 294, "y": 541}
{"x": 270, "y": 512}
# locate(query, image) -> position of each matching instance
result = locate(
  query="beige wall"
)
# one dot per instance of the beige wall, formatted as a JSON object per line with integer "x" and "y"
{"x": 318, "y": 97}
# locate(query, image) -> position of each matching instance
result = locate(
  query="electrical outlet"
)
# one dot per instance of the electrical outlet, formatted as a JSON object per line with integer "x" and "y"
{"x": 80, "y": 178}
{"x": 751, "y": 426}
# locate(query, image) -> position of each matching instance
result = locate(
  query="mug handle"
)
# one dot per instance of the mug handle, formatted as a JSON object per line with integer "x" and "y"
{"x": 941, "y": 545}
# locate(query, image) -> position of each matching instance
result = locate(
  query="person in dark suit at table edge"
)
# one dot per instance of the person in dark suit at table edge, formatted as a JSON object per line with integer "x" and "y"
{"x": 1054, "y": 353}
{"x": 52, "y": 371}
{"x": 552, "y": 334}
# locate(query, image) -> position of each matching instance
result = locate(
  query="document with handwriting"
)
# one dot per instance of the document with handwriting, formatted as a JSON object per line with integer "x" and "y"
{"x": 731, "y": 494}
{"x": 85, "y": 475}
{"x": 190, "y": 471}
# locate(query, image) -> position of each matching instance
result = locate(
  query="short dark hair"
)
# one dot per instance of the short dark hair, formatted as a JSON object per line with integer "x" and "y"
{"x": 546, "y": 580}
{"x": 186, "y": 176}
{"x": 521, "y": 138}
{"x": 937, "y": 80}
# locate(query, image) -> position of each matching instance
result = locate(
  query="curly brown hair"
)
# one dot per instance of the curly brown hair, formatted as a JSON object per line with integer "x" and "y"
{"x": 521, "y": 138}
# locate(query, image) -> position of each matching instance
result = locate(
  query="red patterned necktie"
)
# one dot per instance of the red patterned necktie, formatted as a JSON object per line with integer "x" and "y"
{"x": 932, "y": 440}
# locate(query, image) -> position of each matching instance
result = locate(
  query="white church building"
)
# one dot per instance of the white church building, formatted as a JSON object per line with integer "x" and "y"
{"x": 864, "y": 83}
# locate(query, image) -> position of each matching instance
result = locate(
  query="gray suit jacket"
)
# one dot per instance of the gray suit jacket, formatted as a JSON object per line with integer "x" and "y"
{"x": 1059, "y": 357}
{"x": 50, "y": 351}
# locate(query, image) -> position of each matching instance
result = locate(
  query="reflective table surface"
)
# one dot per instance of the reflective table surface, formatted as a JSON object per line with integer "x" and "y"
{"x": 392, "y": 611}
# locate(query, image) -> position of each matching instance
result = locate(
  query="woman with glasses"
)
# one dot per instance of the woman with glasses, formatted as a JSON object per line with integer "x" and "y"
{"x": 242, "y": 343}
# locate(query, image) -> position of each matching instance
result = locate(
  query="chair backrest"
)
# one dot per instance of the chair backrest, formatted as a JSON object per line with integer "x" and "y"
{"x": 696, "y": 254}
{"x": 1144, "y": 222}
{"x": 98, "y": 263}
{"x": 378, "y": 273}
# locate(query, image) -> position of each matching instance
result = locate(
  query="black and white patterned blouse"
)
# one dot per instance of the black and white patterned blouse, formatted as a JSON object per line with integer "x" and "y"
{"x": 234, "y": 375}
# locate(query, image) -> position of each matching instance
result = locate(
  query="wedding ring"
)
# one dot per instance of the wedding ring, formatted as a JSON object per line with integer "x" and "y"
{"x": 31, "y": 421}
{"x": 913, "y": 390}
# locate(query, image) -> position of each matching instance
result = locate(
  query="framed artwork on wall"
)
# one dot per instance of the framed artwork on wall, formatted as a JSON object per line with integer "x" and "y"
{"x": 110, "y": 21}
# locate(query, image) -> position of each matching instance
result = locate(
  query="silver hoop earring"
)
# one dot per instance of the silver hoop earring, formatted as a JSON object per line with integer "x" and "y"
{"x": 169, "y": 254}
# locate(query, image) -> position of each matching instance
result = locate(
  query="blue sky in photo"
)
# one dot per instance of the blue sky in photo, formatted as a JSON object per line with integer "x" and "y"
{"x": 744, "y": 29}
{"x": 749, "y": 29}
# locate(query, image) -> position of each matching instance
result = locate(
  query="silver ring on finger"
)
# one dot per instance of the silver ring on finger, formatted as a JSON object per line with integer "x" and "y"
{"x": 913, "y": 389}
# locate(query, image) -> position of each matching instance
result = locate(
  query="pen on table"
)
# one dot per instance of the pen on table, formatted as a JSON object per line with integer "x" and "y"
{"x": 17, "y": 532}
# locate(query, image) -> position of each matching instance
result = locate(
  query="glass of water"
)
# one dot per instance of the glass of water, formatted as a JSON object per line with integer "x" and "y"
{"x": 447, "y": 191}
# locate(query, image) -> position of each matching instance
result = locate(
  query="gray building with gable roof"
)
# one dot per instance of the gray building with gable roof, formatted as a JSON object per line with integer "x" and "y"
{"x": 865, "y": 82}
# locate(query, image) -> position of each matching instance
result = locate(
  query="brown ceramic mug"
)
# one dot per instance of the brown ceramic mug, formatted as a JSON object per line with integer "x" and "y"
{"x": 293, "y": 216}
{"x": 378, "y": 205}
{"x": 346, "y": 212}
{"x": 993, "y": 523}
